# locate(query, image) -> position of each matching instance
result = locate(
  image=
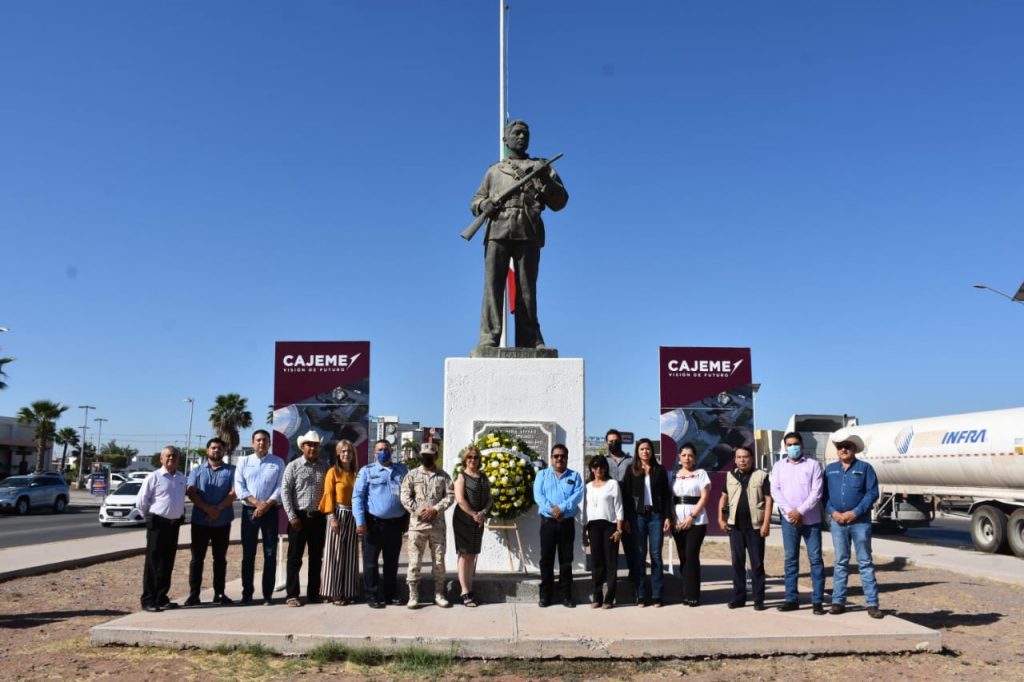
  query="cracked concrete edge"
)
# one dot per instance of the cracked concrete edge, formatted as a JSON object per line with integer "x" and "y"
{"x": 499, "y": 647}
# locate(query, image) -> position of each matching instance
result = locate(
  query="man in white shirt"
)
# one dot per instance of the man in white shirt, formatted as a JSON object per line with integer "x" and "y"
{"x": 162, "y": 499}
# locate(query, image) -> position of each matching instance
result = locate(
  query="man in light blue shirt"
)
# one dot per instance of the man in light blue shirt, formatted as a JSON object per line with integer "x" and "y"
{"x": 380, "y": 520}
{"x": 211, "y": 487}
{"x": 258, "y": 486}
{"x": 558, "y": 492}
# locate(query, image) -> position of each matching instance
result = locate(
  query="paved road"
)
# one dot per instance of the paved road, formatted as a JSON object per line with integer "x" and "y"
{"x": 78, "y": 521}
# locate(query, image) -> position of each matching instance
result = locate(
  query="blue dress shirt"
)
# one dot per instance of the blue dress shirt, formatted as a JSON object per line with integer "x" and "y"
{"x": 212, "y": 485}
{"x": 565, "y": 492}
{"x": 378, "y": 492}
{"x": 259, "y": 478}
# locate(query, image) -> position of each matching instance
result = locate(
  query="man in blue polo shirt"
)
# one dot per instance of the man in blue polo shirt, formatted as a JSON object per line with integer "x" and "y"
{"x": 852, "y": 488}
{"x": 558, "y": 491}
{"x": 211, "y": 487}
{"x": 380, "y": 520}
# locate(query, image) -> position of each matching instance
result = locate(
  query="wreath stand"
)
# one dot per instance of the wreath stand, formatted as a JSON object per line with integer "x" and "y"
{"x": 505, "y": 527}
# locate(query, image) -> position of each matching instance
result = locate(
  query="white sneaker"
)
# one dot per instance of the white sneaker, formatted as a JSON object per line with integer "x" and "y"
{"x": 413, "y": 602}
{"x": 441, "y": 601}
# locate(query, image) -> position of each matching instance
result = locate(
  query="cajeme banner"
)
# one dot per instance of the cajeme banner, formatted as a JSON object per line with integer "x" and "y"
{"x": 323, "y": 386}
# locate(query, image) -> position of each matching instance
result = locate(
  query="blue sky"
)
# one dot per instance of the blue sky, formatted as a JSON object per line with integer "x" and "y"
{"x": 183, "y": 183}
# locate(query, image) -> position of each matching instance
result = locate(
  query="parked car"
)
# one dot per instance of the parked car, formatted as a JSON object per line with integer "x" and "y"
{"x": 117, "y": 479}
{"x": 21, "y": 494}
{"x": 118, "y": 508}
{"x": 137, "y": 475}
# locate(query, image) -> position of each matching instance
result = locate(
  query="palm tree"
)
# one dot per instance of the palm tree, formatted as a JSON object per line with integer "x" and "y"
{"x": 3, "y": 361}
{"x": 44, "y": 414}
{"x": 228, "y": 415}
{"x": 66, "y": 436}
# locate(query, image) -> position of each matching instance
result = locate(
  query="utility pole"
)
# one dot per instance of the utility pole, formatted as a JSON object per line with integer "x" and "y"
{"x": 188, "y": 441}
{"x": 81, "y": 458}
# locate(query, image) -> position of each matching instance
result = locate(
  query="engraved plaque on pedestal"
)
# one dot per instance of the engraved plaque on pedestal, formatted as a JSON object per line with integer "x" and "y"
{"x": 540, "y": 436}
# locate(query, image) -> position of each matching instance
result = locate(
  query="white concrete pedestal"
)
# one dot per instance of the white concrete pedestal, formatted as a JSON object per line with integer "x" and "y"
{"x": 513, "y": 389}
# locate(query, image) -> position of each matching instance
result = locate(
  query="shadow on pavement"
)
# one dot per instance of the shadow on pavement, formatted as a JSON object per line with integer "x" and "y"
{"x": 938, "y": 620}
{"x": 34, "y": 620}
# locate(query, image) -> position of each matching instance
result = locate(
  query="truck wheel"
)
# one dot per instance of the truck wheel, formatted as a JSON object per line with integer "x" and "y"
{"x": 1015, "y": 532}
{"x": 988, "y": 528}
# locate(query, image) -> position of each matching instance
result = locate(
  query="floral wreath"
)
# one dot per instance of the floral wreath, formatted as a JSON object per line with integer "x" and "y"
{"x": 510, "y": 465}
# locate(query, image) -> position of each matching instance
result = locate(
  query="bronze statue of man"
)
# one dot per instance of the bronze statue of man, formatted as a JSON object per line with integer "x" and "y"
{"x": 515, "y": 231}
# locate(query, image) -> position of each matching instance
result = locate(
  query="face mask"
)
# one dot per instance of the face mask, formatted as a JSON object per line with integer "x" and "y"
{"x": 427, "y": 460}
{"x": 383, "y": 456}
{"x": 615, "y": 447}
{"x": 793, "y": 451}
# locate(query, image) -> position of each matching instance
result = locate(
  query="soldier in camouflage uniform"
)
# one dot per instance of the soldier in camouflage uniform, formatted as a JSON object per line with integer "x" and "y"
{"x": 426, "y": 493}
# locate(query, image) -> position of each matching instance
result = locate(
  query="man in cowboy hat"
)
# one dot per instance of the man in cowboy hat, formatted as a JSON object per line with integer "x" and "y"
{"x": 301, "y": 490}
{"x": 851, "y": 490}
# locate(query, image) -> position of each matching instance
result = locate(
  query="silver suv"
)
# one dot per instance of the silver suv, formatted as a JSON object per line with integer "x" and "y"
{"x": 34, "y": 491}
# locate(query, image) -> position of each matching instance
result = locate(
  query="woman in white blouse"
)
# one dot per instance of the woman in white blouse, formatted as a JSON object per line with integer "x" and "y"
{"x": 690, "y": 488}
{"x": 603, "y": 514}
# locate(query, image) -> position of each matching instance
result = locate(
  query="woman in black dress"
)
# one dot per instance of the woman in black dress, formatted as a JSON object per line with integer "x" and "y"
{"x": 473, "y": 501}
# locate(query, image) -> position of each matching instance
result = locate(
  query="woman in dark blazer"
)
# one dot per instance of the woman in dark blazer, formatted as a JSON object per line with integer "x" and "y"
{"x": 648, "y": 506}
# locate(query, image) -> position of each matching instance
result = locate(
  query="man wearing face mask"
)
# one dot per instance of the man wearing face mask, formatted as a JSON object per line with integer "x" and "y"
{"x": 796, "y": 485}
{"x": 426, "y": 493}
{"x": 618, "y": 464}
{"x": 380, "y": 521}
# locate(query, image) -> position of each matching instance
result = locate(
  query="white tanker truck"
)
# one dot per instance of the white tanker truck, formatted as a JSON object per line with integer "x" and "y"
{"x": 976, "y": 458}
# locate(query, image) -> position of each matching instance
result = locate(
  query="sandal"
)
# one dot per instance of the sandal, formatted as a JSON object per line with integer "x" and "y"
{"x": 293, "y": 602}
{"x": 468, "y": 600}
{"x": 338, "y": 602}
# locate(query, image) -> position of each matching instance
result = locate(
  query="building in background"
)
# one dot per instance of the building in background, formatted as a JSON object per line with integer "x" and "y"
{"x": 18, "y": 448}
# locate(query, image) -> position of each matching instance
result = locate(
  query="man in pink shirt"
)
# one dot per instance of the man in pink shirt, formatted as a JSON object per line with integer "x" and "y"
{"x": 796, "y": 490}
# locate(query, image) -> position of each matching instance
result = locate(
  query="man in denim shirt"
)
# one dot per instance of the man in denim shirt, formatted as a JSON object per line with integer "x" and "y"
{"x": 852, "y": 490}
{"x": 211, "y": 488}
{"x": 380, "y": 520}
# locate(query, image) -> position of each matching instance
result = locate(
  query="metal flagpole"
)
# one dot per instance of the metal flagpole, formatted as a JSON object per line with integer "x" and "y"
{"x": 502, "y": 118}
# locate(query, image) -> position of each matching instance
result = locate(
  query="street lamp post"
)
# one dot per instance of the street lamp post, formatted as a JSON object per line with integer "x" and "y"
{"x": 188, "y": 442}
{"x": 81, "y": 458}
{"x": 1017, "y": 298}
{"x": 99, "y": 434}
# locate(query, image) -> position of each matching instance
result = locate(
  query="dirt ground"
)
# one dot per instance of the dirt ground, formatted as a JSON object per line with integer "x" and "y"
{"x": 45, "y": 621}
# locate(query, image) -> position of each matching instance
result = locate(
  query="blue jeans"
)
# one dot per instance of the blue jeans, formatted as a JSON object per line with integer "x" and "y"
{"x": 649, "y": 535}
{"x": 860, "y": 533}
{"x": 811, "y": 535}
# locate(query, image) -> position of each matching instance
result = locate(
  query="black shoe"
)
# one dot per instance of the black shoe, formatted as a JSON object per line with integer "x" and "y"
{"x": 568, "y": 603}
{"x": 374, "y": 604}
{"x": 875, "y": 612}
{"x": 268, "y": 602}
{"x": 837, "y": 609}
{"x": 395, "y": 601}
{"x": 692, "y": 602}
{"x": 737, "y": 604}
{"x": 789, "y": 606}
{"x": 759, "y": 606}
{"x": 818, "y": 609}
{"x": 151, "y": 608}
{"x": 193, "y": 600}
{"x": 169, "y": 605}
{"x": 223, "y": 600}
{"x": 543, "y": 603}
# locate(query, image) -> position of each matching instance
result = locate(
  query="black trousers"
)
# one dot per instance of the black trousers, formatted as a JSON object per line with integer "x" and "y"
{"x": 560, "y": 538}
{"x": 688, "y": 543}
{"x": 252, "y": 530}
{"x": 161, "y": 546}
{"x": 203, "y": 537}
{"x": 312, "y": 534}
{"x": 747, "y": 541}
{"x": 383, "y": 536}
{"x": 604, "y": 555}
{"x": 526, "y": 256}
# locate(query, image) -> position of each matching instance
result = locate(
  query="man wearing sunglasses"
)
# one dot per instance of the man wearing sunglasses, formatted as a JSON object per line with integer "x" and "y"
{"x": 558, "y": 491}
{"x": 851, "y": 491}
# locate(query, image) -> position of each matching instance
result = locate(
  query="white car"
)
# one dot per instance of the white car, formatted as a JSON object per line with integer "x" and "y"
{"x": 137, "y": 475}
{"x": 118, "y": 508}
